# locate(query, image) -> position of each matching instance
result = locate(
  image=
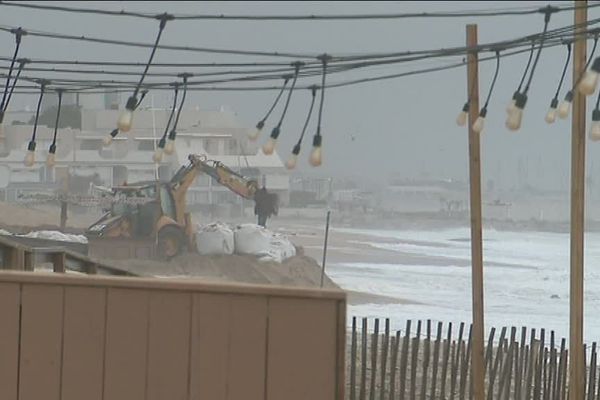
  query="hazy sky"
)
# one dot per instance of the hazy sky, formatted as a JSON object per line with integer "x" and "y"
{"x": 403, "y": 127}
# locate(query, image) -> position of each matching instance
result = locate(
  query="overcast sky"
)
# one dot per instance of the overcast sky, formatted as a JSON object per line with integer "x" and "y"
{"x": 402, "y": 127}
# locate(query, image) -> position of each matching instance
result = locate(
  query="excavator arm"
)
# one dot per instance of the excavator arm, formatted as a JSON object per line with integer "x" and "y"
{"x": 225, "y": 176}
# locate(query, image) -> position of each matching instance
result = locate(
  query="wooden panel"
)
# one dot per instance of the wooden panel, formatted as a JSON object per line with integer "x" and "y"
{"x": 126, "y": 345}
{"x": 9, "y": 339}
{"x": 83, "y": 345}
{"x": 302, "y": 349}
{"x": 41, "y": 342}
{"x": 228, "y": 347}
{"x": 210, "y": 327}
{"x": 247, "y": 349}
{"x": 169, "y": 345}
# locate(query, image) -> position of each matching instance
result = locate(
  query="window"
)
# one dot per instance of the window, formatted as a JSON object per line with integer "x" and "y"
{"x": 91, "y": 144}
{"x": 146, "y": 145}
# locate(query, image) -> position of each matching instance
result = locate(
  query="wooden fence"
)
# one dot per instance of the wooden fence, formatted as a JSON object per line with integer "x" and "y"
{"x": 74, "y": 337}
{"x": 432, "y": 361}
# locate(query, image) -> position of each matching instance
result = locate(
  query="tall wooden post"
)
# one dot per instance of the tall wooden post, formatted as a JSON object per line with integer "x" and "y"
{"x": 477, "y": 365}
{"x": 576, "y": 355}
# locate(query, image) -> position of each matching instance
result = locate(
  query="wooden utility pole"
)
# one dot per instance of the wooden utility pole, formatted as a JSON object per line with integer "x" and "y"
{"x": 477, "y": 365}
{"x": 576, "y": 355}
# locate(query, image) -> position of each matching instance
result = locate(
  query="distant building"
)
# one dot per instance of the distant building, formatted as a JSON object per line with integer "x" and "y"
{"x": 80, "y": 152}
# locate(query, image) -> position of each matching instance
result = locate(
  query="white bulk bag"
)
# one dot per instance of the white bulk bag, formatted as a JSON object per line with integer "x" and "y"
{"x": 214, "y": 239}
{"x": 251, "y": 239}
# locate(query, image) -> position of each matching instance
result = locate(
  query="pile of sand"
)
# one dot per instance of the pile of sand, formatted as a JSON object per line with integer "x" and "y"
{"x": 298, "y": 271}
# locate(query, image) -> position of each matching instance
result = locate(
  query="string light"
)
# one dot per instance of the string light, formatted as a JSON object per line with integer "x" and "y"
{"x": 515, "y": 117}
{"x": 170, "y": 146}
{"x": 158, "y": 153}
{"x": 565, "y": 106}
{"x": 552, "y": 112}
{"x": 293, "y": 160}
{"x": 316, "y": 155}
{"x": 594, "y": 133}
{"x": 125, "y": 120}
{"x": 480, "y": 121}
{"x": 269, "y": 146}
{"x": 30, "y": 156}
{"x": 51, "y": 159}
{"x": 511, "y": 105}
{"x": 18, "y": 32}
{"x": 107, "y": 141}
{"x": 253, "y": 135}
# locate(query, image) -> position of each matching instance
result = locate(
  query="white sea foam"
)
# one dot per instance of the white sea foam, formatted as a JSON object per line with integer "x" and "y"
{"x": 526, "y": 279}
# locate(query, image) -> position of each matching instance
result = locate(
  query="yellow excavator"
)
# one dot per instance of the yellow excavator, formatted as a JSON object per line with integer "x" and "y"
{"x": 149, "y": 219}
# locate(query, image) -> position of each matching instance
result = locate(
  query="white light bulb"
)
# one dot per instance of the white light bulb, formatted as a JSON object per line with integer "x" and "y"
{"x": 316, "y": 158}
{"x": 551, "y": 115}
{"x": 589, "y": 82}
{"x": 595, "y": 131}
{"x": 125, "y": 121}
{"x": 170, "y": 147}
{"x": 269, "y": 147}
{"x": 563, "y": 109}
{"x": 479, "y": 124}
{"x": 107, "y": 140}
{"x": 51, "y": 160}
{"x": 292, "y": 161}
{"x": 29, "y": 158}
{"x": 513, "y": 121}
{"x": 158, "y": 155}
{"x": 511, "y": 106}
{"x": 254, "y": 133}
{"x": 461, "y": 120}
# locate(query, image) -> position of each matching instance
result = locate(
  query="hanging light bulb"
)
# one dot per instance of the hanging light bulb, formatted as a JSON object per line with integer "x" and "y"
{"x": 588, "y": 83}
{"x": 269, "y": 147}
{"x": 158, "y": 153}
{"x": 254, "y": 133}
{"x": 461, "y": 119}
{"x": 595, "y": 128}
{"x": 316, "y": 158}
{"x": 126, "y": 118}
{"x": 107, "y": 140}
{"x": 551, "y": 114}
{"x": 170, "y": 146}
{"x": 293, "y": 160}
{"x": 512, "y": 104}
{"x": 30, "y": 156}
{"x": 565, "y": 106}
{"x": 51, "y": 159}
{"x": 514, "y": 119}
{"x": 480, "y": 121}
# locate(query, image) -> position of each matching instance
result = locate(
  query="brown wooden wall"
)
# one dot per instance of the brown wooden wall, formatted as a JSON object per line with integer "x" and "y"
{"x": 104, "y": 338}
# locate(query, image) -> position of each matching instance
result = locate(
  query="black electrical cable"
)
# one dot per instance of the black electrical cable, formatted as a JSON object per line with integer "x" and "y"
{"x": 311, "y": 17}
{"x": 163, "y": 22}
{"x": 285, "y": 81}
{"x": 313, "y": 91}
{"x": 317, "y": 142}
{"x": 564, "y": 71}
{"x": 37, "y": 114}
{"x": 18, "y": 35}
{"x": 173, "y": 132}
{"x": 164, "y": 135}
{"x": 22, "y": 63}
{"x": 289, "y": 97}
{"x": 489, "y": 95}
{"x": 547, "y": 16}
{"x": 52, "y": 149}
{"x": 526, "y": 67}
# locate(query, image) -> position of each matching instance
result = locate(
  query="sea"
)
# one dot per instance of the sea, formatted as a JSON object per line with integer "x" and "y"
{"x": 526, "y": 279}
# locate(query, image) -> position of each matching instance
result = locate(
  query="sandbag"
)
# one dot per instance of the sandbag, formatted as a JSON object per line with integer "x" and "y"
{"x": 56, "y": 235}
{"x": 261, "y": 242}
{"x": 215, "y": 239}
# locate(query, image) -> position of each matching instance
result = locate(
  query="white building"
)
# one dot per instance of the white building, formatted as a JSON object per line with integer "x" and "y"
{"x": 217, "y": 134}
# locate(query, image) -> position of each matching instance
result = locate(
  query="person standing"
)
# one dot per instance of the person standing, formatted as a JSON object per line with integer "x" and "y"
{"x": 265, "y": 205}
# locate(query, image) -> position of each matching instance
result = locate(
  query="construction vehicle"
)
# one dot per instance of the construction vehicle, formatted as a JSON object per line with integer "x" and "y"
{"x": 149, "y": 219}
